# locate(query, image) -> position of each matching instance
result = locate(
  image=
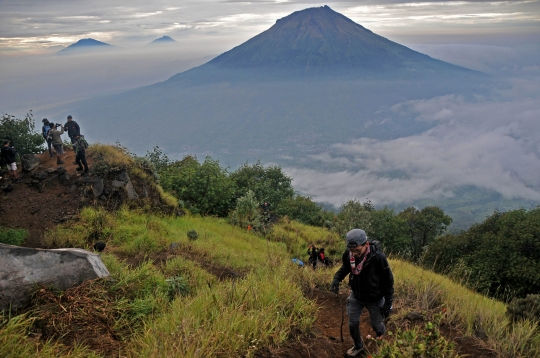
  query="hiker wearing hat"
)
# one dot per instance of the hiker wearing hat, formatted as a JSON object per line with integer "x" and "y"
{"x": 72, "y": 129}
{"x": 371, "y": 282}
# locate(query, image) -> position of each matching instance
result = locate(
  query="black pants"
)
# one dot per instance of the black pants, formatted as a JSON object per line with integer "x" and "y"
{"x": 49, "y": 142}
{"x": 80, "y": 159}
{"x": 73, "y": 141}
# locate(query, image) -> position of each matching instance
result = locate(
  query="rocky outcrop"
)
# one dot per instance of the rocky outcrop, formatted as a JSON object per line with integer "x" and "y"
{"x": 29, "y": 162}
{"x": 22, "y": 269}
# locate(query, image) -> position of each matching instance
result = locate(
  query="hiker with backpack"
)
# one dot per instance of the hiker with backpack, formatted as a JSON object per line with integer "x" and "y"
{"x": 372, "y": 285}
{"x": 80, "y": 147}
{"x": 313, "y": 253}
{"x": 72, "y": 129}
{"x": 45, "y": 132}
{"x": 56, "y": 141}
{"x": 8, "y": 153}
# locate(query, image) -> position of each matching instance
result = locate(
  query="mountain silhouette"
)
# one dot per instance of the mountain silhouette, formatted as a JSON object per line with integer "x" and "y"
{"x": 164, "y": 40}
{"x": 85, "y": 45}
{"x": 313, "y": 79}
{"x": 319, "y": 41}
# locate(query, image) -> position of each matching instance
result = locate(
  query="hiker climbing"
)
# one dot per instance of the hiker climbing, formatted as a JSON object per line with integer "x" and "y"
{"x": 45, "y": 132}
{"x": 371, "y": 282}
{"x": 72, "y": 129}
{"x": 8, "y": 153}
{"x": 56, "y": 141}
{"x": 80, "y": 148}
{"x": 322, "y": 259}
{"x": 313, "y": 253}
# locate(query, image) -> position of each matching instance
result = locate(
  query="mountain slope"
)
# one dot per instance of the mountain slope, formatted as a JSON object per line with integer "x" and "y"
{"x": 163, "y": 40}
{"x": 312, "y": 79}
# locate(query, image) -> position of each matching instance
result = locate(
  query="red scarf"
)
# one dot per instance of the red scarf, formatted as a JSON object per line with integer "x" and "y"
{"x": 355, "y": 270}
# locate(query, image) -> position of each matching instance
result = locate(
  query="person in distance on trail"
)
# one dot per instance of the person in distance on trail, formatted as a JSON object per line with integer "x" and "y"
{"x": 72, "y": 129}
{"x": 45, "y": 132}
{"x": 372, "y": 285}
{"x": 81, "y": 145}
{"x": 56, "y": 141}
{"x": 8, "y": 154}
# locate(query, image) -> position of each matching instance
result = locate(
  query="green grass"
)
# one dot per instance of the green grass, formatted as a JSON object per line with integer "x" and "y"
{"x": 13, "y": 236}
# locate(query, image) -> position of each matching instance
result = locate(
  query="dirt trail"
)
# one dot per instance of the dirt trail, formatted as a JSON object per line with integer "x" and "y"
{"x": 39, "y": 209}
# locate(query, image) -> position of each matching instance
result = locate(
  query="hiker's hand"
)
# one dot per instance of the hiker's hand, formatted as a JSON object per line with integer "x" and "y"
{"x": 334, "y": 287}
{"x": 385, "y": 311}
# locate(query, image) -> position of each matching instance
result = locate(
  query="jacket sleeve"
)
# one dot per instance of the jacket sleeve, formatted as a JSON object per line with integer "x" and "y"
{"x": 78, "y": 128}
{"x": 386, "y": 277}
{"x": 345, "y": 268}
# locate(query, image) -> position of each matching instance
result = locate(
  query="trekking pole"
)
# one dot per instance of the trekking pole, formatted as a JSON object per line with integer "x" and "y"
{"x": 342, "y": 318}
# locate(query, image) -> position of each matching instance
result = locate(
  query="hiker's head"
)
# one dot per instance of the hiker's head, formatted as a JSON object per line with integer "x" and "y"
{"x": 356, "y": 241}
{"x": 70, "y": 118}
{"x": 6, "y": 142}
{"x": 45, "y": 121}
{"x": 78, "y": 135}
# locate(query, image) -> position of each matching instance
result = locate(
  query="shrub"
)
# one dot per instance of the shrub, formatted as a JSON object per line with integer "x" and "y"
{"x": 22, "y": 134}
{"x": 109, "y": 159}
{"x": 13, "y": 236}
{"x": 192, "y": 235}
{"x": 524, "y": 308}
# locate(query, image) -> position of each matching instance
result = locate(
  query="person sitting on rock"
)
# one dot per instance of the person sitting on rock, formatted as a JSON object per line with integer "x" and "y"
{"x": 57, "y": 141}
{"x": 81, "y": 145}
{"x": 8, "y": 153}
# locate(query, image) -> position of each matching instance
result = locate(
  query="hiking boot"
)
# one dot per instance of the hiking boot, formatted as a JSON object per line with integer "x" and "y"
{"x": 59, "y": 162}
{"x": 353, "y": 352}
{"x": 79, "y": 169}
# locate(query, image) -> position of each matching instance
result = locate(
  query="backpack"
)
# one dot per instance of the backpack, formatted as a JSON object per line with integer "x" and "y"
{"x": 83, "y": 143}
{"x": 47, "y": 132}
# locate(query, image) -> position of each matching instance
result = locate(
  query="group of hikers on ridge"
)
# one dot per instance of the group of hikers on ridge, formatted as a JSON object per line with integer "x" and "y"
{"x": 52, "y": 133}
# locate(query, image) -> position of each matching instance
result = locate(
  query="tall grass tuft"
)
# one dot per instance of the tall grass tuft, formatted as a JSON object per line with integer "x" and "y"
{"x": 13, "y": 236}
{"x": 233, "y": 318}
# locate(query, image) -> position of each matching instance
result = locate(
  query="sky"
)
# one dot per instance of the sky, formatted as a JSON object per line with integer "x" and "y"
{"x": 492, "y": 143}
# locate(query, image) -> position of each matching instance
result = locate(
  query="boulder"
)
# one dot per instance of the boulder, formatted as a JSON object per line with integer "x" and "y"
{"x": 22, "y": 268}
{"x": 123, "y": 176}
{"x": 132, "y": 194}
{"x": 29, "y": 162}
{"x": 98, "y": 187}
{"x": 118, "y": 184}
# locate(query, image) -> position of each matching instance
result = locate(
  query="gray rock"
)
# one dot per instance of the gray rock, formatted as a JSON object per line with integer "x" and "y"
{"x": 123, "y": 176}
{"x": 481, "y": 334}
{"x": 40, "y": 176}
{"x": 145, "y": 192}
{"x": 98, "y": 187}
{"x": 29, "y": 162}
{"x": 7, "y": 188}
{"x": 60, "y": 170}
{"x": 64, "y": 178}
{"x": 22, "y": 268}
{"x": 118, "y": 184}
{"x": 51, "y": 170}
{"x": 132, "y": 194}
{"x": 414, "y": 316}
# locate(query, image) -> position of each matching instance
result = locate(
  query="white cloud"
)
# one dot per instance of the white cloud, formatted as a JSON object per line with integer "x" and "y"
{"x": 487, "y": 144}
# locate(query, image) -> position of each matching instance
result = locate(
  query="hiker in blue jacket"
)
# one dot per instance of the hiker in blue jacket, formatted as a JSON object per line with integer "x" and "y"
{"x": 45, "y": 132}
{"x": 372, "y": 285}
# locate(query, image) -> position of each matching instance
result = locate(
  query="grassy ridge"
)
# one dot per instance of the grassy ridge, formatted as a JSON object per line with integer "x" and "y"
{"x": 234, "y": 318}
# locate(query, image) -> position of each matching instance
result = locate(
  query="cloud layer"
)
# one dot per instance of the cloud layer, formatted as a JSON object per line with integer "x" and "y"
{"x": 488, "y": 144}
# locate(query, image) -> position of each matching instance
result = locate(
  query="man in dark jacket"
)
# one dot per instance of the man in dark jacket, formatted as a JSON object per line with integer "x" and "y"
{"x": 81, "y": 145}
{"x": 8, "y": 154}
{"x": 372, "y": 285}
{"x": 72, "y": 129}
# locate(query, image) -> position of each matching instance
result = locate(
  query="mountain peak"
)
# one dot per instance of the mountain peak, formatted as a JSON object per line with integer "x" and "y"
{"x": 163, "y": 40}
{"x": 320, "y": 38}
{"x": 85, "y": 44}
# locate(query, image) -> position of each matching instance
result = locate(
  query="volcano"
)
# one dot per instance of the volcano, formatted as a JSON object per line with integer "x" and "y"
{"x": 314, "y": 78}
{"x": 85, "y": 45}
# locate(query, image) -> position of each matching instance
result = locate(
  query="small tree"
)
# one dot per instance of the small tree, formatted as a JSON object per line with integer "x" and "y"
{"x": 22, "y": 134}
{"x": 353, "y": 215}
{"x": 247, "y": 211}
{"x": 423, "y": 226}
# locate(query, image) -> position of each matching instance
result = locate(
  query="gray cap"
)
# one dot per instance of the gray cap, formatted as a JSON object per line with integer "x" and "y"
{"x": 356, "y": 237}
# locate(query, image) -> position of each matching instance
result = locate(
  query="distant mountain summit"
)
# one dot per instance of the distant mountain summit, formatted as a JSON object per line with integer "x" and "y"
{"x": 164, "y": 40}
{"x": 320, "y": 40}
{"x": 85, "y": 45}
